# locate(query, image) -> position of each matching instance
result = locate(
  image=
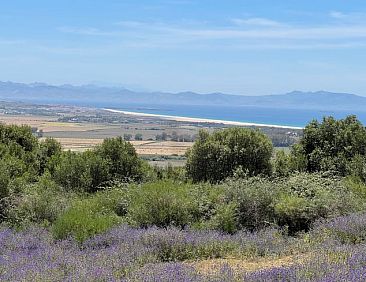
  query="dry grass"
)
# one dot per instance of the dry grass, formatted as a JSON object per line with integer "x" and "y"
{"x": 239, "y": 266}
{"x": 76, "y": 144}
{"x": 164, "y": 148}
{"x": 79, "y": 136}
{"x": 50, "y": 124}
{"x": 33, "y": 121}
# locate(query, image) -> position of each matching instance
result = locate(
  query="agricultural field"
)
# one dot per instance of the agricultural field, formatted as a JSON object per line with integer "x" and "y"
{"x": 79, "y": 129}
{"x": 80, "y": 136}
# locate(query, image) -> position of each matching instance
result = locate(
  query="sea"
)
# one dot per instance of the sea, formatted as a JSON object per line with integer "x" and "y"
{"x": 274, "y": 116}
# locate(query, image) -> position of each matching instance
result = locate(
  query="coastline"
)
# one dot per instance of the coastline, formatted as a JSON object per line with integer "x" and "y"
{"x": 200, "y": 120}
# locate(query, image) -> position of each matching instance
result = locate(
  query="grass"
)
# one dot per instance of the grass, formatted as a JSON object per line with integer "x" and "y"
{"x": 240, "y": 266}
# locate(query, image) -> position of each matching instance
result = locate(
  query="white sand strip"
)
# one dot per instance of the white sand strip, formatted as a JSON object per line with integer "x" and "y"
{"x": 201, "y": 120}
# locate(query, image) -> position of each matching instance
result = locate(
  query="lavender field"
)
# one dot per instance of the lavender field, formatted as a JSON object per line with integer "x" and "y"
{"x": 238, "y": 211}
{"x": 334, "y": 250}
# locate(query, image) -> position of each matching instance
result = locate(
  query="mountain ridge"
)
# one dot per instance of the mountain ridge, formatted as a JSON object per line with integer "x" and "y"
{"x": 102, "y": 96}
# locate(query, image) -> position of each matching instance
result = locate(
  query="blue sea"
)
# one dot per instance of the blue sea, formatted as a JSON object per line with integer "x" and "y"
{"x": 275, "y": 116}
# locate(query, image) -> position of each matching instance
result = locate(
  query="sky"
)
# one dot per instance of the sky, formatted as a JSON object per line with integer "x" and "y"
{"x": 246, "y": 47}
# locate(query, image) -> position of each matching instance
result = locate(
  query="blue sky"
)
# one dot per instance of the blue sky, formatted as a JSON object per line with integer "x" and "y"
{"x": 249, "y": 47}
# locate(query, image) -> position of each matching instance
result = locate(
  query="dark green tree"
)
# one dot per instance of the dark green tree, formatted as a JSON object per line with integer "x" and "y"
{"x": 71, "y": 171}
{"x": 217, "y": 156}
{"x": 48, "y": 148}
{"x": 138, "y": 137}
{"x": 121, "y": 158}
{"x": 127, "y": 137}
{"x": 331, "y": 145}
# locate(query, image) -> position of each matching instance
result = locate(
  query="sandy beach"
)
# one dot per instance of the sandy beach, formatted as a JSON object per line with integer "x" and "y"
{"x": 201, "y": 120}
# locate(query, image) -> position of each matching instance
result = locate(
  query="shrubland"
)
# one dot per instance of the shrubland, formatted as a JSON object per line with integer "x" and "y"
{"x": 236, "y": 197}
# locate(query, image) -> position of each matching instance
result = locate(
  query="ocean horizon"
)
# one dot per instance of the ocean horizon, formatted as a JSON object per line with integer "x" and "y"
{"x": 246, "y": 114}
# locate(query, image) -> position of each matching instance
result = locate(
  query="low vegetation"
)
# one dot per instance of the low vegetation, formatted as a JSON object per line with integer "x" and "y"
{"x": 105, "y": 214}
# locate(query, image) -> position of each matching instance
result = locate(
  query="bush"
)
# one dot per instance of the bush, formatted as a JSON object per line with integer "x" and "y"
{"x": 113, "y": 160}
{"x": 18, "y": 143}
{"x": 295, "y": 202}
{"x": 357, "y": 167}
{"x": 305, "y": 198}
{"x": 332, "y": 144}
{"x": 254, "y": 201}
{"x": 215, "y": 157}
{"x": 225, "y": 219}
{"x": 356, "y": 185}
{"x": 293, "y": 211}
{"x": 86, "y": 218}
{"x": 41, "y": 203}
{"x": 282, "y": 164}
{"x": 170, "y": 173}
{"x": 122, "y": 160}
{"x": 48, "y": 148}
{"x": 72, "y": 171}
{"x": 163, "y": 204}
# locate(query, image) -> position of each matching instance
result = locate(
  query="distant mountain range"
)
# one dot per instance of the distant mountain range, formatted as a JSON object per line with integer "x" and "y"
{"x": 100, "y": 96}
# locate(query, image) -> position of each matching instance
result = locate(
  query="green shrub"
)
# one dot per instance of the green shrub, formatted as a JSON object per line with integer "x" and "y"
{"x": 356, "y": 185}
{"x": 40, "y": 202}
{"x": 282, "y": 164}
{"x": 357, "y": 168}
{"x": 122, "y": 159}
{"x": 215, "y": 157}
{"x": 115, "y": 198}
{"x": 305, "y": 198}
{"x": 87, "y": 217}
{"x": 254, "y": 200}
{"x": 17, "y": 144}
{"x": 47, "y": 149}
{"x": 113, "y": 160}
{"x": 293, "y": 211}
{"x": 332, "y": 144}
{"x": 296, "y": 201}
{"x": 170, "y": 173}
{"x": 71, "y": 170}
{"x": 225, "y": 219}
{"x": 162, "y": 203}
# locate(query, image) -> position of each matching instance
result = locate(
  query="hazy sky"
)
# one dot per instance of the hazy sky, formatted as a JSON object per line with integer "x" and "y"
{"x": 248, "y": 47}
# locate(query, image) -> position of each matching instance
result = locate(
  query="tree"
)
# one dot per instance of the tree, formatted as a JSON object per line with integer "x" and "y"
{"x": 19, "y": 144}
{"x": 217, "y": 156}
{"x": 175, "y": 136}
{"x": 138, "y": 137}
{"x": 48, "y": 148}
{"x": 122, "y": 159}
{"x": 127, "y": 137}
{"x": 162, "y": 137}
{"x": 281, "y": 164}
{"x": 71, "y": 171}
{"x": 331, "y": 145}
{"x": 114, "y": 159}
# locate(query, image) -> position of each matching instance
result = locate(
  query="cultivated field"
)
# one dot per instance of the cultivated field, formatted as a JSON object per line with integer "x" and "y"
{"x": 161, "y": 148}
{"x": 79, "y": 129}
{"x": 80, "y": 136}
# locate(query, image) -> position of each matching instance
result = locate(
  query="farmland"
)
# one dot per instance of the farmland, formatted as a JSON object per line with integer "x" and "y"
{"x": 79, "y": 129}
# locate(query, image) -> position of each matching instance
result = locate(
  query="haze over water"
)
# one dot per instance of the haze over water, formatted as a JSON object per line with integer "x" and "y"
{"x": 285, "y": 117}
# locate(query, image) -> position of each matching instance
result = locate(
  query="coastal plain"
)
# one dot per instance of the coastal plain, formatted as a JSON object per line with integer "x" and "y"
{"x": 160, "y": 140}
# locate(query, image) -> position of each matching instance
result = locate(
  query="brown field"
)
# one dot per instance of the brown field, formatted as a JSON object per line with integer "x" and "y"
{"x": 50, "y": 124}
{"x": 166, "y": 148}
{"x": 83, "y": 136}
{"x": 34, "y": 121}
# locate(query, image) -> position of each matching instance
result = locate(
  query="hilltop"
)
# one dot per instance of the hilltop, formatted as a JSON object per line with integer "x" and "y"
{"x": 101, "y": 96}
